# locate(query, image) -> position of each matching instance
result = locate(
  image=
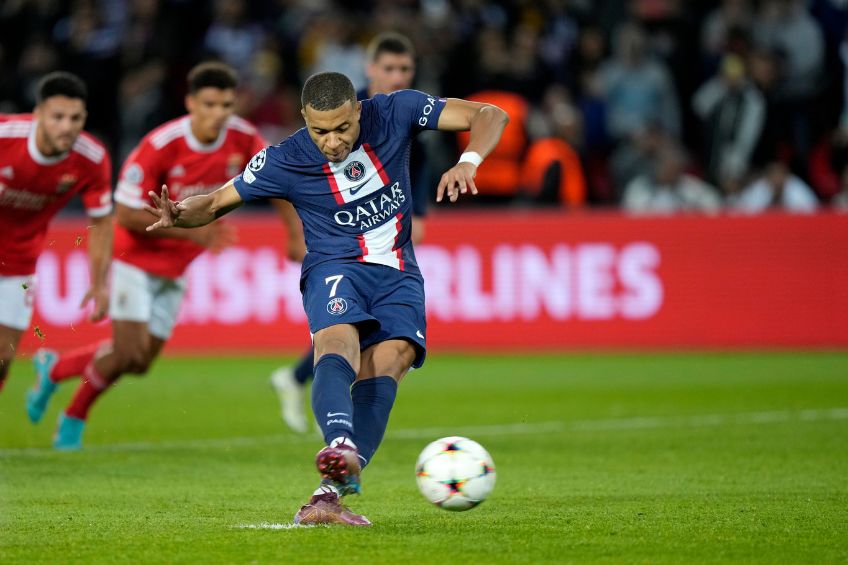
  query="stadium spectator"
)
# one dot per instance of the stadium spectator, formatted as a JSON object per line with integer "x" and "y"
{"x": 390, "y": 67}
{"x": 45, "y": 159}
{"x": 776, "y": 189}
{"x": 720, "y": 27}
{"x": 732, "y": 112}
{"x": 786, "y": 27}
{"x": 365, "y": 303}
{"x": 636, "y": 156}
{"x": 637, "y": 88}
{"x": 233, "y": 36}
{"x": 330, "y": 44}
{"x": 551, "y": 171}
{"x": 193, "y": 154}
{"x": 670, "y": 189}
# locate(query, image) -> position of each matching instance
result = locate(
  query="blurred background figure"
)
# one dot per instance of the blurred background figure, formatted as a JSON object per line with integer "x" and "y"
{"x": 637, "y": 88}
{"x": 776, "y": 189}
{"x": 669, "y": 188}
{"x": 732, "y": 112}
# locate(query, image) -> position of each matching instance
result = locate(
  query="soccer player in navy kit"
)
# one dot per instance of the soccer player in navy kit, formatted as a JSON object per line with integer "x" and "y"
{"x": 346, "y": 174}
{"x": 391, "y": 67}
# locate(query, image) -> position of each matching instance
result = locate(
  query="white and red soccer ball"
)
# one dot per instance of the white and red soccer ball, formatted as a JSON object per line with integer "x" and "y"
{"x": 455, "y": 473}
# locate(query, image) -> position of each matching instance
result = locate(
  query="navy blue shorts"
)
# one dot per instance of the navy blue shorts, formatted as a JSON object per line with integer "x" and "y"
{"x": 382, "y": 302}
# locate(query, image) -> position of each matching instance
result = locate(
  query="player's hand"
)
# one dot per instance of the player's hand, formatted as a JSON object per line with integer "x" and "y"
{"x": 457, "y": 180}
{"x": 100, "y": 295}
{"x": 215, "y": 236}
{"x": 166, "y": 210}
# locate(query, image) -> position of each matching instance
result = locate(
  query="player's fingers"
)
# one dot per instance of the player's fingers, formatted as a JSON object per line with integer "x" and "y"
{"x": 155, "y": 198}
{"x": 165, "y": 195}
{"x": 155, "y": 226}
{"x": 472, "y": 186}
{"x": 155, "y": 211}
{"x": 180, "y": 206}
{"x": 440, "y": 190}
{"x": 462, "y": 186}
{"x": 85, "y": 299}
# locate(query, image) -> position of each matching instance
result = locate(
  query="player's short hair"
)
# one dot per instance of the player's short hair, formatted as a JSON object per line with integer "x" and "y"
{"x": 60, "y": 83}
{"x": 389, "y": 42}
{"x": 211, "y": 74}
{"x": 327, "y": 91}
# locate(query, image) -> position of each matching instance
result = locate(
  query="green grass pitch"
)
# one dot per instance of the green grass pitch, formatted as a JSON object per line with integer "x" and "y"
{"x": 625, "y": 458}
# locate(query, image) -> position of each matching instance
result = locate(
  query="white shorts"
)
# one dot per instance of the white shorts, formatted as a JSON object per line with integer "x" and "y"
{"x": 138, "y": 296}
{"x": 16, "y": 297}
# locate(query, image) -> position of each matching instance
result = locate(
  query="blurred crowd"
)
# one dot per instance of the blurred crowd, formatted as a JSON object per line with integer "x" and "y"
{"x": 656, "y": 106}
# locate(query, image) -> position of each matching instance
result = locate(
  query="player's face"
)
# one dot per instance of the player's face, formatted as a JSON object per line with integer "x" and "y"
{"x": 334, "y": 131}
{"x": 60, "y": 121}
{"x": 390, "y": 72}
{"x": 210, "y": 108}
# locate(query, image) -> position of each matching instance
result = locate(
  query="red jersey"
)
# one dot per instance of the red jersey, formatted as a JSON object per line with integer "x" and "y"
{"x": 172, "y": 155}
{"x": 33, "y": 187}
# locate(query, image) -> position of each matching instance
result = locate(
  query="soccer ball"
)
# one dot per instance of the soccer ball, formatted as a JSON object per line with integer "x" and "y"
{"x": 455, "y": 473}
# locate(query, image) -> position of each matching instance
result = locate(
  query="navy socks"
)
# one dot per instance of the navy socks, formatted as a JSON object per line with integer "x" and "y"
{"x": 372, "y": 404}
{"x": 303, "y": 369}
{"x": 331, "y": 397}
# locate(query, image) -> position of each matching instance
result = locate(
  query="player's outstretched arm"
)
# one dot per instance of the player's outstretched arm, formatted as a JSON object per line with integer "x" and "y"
{"x": 194, "y": 211}
{"x": 486, "y": 124}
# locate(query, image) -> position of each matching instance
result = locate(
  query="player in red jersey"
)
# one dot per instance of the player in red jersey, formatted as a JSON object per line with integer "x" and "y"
{"x": 46, "y": 158}
{"x": 193, "y": 155}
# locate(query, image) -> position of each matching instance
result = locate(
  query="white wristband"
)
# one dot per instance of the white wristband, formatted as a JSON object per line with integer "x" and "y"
{"x": 470, "y": 157}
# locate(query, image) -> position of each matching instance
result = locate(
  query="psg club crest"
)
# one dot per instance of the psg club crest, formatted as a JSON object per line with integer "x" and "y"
{"x": 337, "y": 306}
{"x": 354, "y": 171}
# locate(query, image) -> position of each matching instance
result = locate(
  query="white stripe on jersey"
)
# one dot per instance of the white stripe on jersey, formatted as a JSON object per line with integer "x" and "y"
{"x": 89, "y": 149}
{"x": 130, "y": 195}
{"x": 168, "y": 133}
{"x": 363, "y": 176}
{"x": 242, "y": 125}
{"x": 378, "y": 244}
{"x": 17, "y": 128}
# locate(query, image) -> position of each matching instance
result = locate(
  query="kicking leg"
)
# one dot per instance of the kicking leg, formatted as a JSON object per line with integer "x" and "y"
{"x": 383, "y": 367}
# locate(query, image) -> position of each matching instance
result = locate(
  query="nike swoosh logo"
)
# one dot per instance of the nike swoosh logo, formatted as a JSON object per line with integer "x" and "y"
{"x": 331, "y": 414}
{"x": 419, "y": 334}
{"x": 357, "y": 188}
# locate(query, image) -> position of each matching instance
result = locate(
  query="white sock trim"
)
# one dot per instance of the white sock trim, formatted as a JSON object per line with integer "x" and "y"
{"x": 342, "y": 440}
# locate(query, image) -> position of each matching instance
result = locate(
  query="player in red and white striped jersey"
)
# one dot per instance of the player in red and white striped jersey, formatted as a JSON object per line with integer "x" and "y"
{"x": 45, "y": 159}
{"x": 193, "y": 155}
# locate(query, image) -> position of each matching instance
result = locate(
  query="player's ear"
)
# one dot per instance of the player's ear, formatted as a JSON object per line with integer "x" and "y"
{"x": 189, "y": 102}
{"x": 303, "y": 113}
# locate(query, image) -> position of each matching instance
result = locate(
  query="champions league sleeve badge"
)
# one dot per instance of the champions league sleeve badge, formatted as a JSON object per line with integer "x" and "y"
{"x": 254, "y": 166}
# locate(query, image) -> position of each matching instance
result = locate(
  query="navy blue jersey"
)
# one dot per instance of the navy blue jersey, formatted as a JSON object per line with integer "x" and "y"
{"x": 359, "y": 209}
{"x": 419, "y": 174}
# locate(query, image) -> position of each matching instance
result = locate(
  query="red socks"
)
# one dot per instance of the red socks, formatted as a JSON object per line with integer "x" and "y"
{"x": 74, "y": 362}
{"x": 92, "y": 386}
